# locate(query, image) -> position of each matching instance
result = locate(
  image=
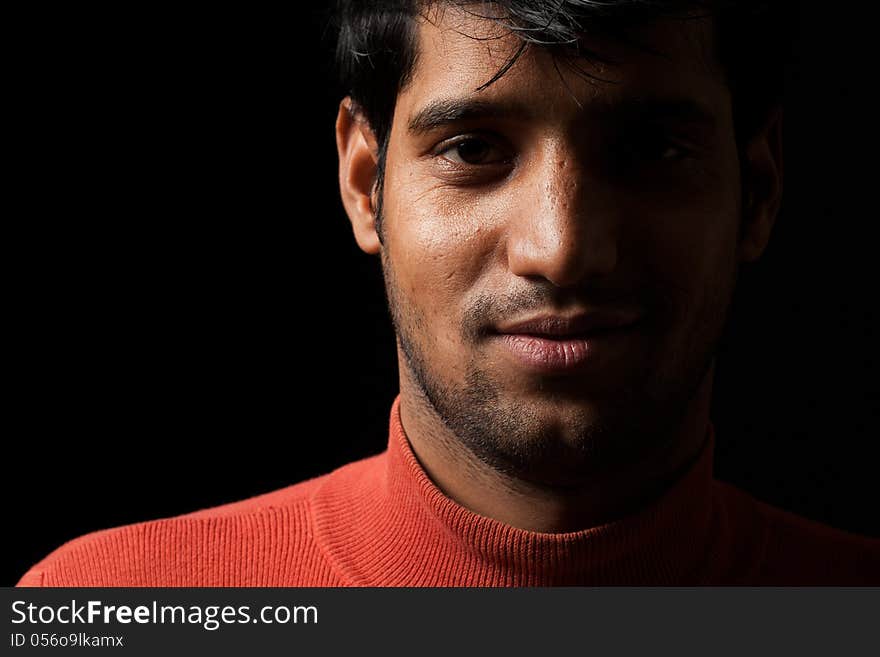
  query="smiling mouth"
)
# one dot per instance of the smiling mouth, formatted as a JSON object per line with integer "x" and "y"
{"x": 562, "y": 353}
{"x": 583, "y": 325}
{"x": 567, "y": 337}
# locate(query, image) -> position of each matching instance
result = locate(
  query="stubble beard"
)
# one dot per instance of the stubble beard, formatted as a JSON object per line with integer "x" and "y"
{"x": 642, "y": 418}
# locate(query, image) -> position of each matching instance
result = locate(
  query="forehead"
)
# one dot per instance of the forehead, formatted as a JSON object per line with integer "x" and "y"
{"x": 459, "y": 51}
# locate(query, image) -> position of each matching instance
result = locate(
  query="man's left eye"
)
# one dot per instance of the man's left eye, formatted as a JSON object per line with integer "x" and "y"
{"x": 473, "y": 151}
{"x": 656, "y": 147}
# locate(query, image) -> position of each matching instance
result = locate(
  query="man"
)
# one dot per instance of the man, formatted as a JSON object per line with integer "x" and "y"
{"x": 561, "y": 195}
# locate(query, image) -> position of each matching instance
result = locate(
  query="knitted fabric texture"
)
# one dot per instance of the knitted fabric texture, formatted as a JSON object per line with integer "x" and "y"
{"x": 381, "y": 521}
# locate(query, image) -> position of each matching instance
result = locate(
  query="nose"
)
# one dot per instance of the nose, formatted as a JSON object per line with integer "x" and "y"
{"x": 564, "y": 228}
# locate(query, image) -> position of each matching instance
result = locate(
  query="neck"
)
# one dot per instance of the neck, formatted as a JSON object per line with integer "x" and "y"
{"x": 463, "y": 477}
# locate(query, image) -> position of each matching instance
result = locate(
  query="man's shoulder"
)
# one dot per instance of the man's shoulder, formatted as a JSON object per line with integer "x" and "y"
{"x": 793, "y": 550}
{"x": 179, "y": 550}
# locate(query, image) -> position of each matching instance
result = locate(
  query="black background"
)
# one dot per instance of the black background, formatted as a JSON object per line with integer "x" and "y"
{"x": 191, "y": 322}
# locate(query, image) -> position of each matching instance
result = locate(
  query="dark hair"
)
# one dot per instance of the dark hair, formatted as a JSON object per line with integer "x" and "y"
{"x": 376, "y": 48}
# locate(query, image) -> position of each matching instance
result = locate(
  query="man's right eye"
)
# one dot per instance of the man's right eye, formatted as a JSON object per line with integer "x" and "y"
{"x": 472, "y": 151}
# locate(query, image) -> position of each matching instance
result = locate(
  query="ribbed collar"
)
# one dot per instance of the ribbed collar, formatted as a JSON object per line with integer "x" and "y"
{"x": 383, "y": 522}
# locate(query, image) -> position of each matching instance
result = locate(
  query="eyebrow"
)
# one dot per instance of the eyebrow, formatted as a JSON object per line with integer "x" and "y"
{"x": 447, "y": 111}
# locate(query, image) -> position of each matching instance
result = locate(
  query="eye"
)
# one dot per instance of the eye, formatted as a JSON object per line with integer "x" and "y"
{"x": 656, "y": 146}
{"x": 666, "y": 151}
{"x": 472, "y": 151}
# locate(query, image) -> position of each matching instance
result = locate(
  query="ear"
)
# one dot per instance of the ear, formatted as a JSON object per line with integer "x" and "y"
{"x": 358, "y": 157}
{"x": 762, "y": 189}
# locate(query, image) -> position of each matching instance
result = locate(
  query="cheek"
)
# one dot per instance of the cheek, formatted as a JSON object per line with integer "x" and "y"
{"x": 687, "y": 247}
{"x": 690, "y": 258}
{"x": 684, "y": 246}
{"x": 441, "y": 249}
{"x": 694, "y": 224}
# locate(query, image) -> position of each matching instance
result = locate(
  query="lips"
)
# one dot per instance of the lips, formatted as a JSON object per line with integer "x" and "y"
{"x": 557, "y": 344}
{"x": 560, "y": 327}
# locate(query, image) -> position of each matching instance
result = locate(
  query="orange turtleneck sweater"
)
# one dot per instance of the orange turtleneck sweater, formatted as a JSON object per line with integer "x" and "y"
{"x": 382, "y": 522}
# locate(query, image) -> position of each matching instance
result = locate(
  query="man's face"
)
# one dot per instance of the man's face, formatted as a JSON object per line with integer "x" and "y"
{"x": 550, "y": 193}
